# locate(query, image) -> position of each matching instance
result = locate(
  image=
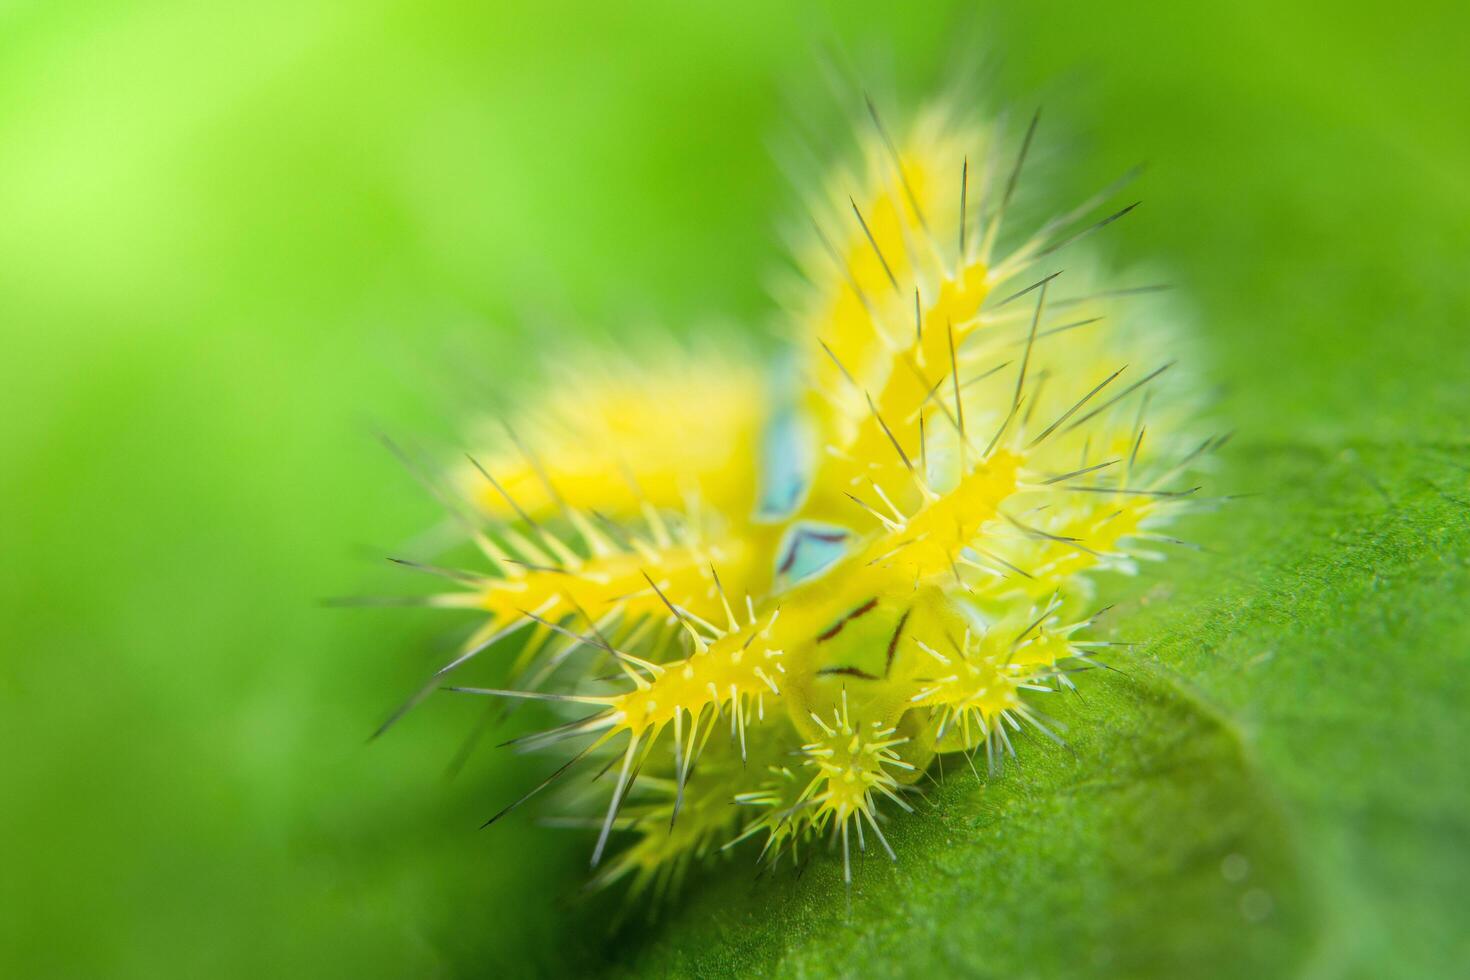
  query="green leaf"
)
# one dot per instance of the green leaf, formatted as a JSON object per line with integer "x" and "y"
{"x": 1236, "y": 802}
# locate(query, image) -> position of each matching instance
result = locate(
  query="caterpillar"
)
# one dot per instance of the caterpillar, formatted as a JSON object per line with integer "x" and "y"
{"x": 767, "y": 614}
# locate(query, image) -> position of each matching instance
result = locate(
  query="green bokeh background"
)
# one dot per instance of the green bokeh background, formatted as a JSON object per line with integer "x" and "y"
{"x": 237, "y": 240}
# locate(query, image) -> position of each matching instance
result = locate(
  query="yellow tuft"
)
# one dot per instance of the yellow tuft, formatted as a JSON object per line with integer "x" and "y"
{"x": 616, "y": 437}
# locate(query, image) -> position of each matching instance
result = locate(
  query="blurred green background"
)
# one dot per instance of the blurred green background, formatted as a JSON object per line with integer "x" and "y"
{"x": 236, "y": 240}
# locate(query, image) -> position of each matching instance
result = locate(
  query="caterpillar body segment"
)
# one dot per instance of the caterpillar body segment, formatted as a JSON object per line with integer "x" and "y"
{"x": 619, "y": 435}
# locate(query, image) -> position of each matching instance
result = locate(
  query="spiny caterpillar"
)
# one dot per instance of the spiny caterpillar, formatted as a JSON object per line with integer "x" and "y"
{"x": 769, "y": 621}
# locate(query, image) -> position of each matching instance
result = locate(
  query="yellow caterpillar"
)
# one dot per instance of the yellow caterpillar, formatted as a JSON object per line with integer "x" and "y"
{"x": 801, "y": 609}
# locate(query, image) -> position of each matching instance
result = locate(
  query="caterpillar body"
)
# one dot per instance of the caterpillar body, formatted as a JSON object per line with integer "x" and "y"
{"x": 780, "y": 659}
